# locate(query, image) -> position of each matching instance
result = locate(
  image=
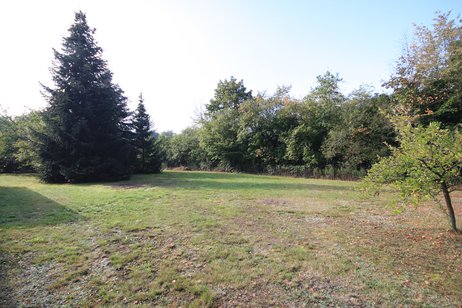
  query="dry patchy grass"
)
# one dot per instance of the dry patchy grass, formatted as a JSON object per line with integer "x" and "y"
{"x": 216, "y": 239}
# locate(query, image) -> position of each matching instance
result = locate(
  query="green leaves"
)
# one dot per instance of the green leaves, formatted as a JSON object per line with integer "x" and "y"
{"x": 360, "y": 136}
{"x": 428, "y": 162}
{"x": 428, "y": 77}
{"x": 228, "y": 95}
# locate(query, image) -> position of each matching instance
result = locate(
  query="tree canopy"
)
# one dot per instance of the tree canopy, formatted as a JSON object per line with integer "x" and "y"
{"x": 428, "y": 77}
{"x": 229, "y": 94}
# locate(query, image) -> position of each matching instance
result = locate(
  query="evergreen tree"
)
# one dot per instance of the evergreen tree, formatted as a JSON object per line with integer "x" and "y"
{"x": 148, "y": 157}
{"x": 86, "y": 137}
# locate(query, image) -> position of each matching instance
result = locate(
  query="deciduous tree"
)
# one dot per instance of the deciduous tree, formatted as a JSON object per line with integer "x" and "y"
{"x": 219, "y": 136}
{"x": 427, "y": 164}
{"x": 317, "y": 115}
{"x": 359, "y": 138}
{"x": 428, "y": 77}
{"x": 228, "y": 94}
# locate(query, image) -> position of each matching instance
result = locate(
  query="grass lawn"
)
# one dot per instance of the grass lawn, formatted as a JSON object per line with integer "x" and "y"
{"x": 217, "y": 239}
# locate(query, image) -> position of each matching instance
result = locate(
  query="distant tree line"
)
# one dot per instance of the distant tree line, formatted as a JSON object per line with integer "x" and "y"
{"x": 325, "y": 134}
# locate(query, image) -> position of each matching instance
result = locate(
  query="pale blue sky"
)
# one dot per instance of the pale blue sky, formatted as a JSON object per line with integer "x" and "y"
{"x": 175, "y": 52}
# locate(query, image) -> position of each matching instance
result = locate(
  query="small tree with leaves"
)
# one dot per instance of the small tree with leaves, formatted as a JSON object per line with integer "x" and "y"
{"x": 147, "y": 153}
{"x": 427, "y": 164}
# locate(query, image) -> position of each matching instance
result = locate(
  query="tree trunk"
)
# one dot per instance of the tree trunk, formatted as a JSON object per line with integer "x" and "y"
{"x": 447, "y": 198}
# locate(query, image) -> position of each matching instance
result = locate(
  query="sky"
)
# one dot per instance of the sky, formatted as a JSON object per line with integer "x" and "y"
{"x": 175, "y": 52}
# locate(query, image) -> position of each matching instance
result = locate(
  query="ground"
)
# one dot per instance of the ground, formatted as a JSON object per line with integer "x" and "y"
{"x": 217, "y": 239}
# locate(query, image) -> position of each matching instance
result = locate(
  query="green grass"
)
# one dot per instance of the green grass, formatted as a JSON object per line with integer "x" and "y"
{"x": 211, "y": 239}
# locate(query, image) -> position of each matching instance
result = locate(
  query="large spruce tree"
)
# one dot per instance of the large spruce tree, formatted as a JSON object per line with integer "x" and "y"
{"x": 86, "y": 136}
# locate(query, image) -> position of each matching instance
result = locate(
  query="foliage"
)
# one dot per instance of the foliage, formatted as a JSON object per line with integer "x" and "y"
{"x": 327, "y": 90}
{"x": 229, "y": 94}
{"x": 325, "y": 133}
{"x": 147, "y": 153}
{"x": 261, "y": 129}
{"x": 427, "y": 163}
{"x": 317, "y": 115}
{"x": 8, "y": 137}
{"x": 220, "y": 126}
{"x": 428, "y": 77}
{"x": 163, "y": 143}
{"x": 17, "y": 153}
{"x": 185, "y": 149}
{"x": 361, "y": 135}
{"x": 86, "y": 136}
{"x": 25, "y": 153}
{"x": 219, "y": 139}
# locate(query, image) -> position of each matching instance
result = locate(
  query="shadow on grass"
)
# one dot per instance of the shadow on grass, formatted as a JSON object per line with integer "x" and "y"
{"x": 22, "y": 207}
{"x": 221, "y": 181}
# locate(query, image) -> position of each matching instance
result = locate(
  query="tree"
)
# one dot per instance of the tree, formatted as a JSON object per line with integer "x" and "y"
{"x": 428, "y": 77}
{"x": 164, "y": 145}
{"x": 228, "y": 94}
{"x": 8, "y": 137}
{"x": 327, "y": 90}
{"x": 86, "y": 135}
{"x": 261, "y": 128}
{"x": 317, "y": 115}
{"x": 185, "y": 149}
{"x": 219, "y": 136}
{"x": 427, "y": 163}
{"x": 219, "y": 139}
{"x": 17, "y": 152}
{"x": 147, "y": 154}
{"x": 25, "y": 152}
{"x": 361, "y": 136}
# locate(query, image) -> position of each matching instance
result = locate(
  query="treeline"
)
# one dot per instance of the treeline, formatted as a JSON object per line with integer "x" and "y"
{"x": 325, "y": 134}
